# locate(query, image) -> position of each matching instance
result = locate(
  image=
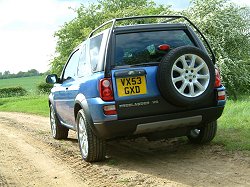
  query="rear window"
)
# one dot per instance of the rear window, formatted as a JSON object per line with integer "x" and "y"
{"x": 142, "y": 47}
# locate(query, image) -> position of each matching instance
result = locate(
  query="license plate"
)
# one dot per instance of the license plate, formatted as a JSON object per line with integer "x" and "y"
{"x": 131, "y": 86}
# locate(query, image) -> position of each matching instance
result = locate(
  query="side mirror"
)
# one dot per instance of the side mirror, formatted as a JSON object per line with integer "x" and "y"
{"x": 52, "y": 79}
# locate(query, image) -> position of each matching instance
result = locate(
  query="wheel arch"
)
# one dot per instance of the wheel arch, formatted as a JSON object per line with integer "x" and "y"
{"x": 81, "y": 103}
{"x": 50, "y": 100}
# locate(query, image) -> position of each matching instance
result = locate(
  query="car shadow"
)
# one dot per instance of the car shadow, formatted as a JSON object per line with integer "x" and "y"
{"x": 174, "y": 160}
{"x": 73, "y": 140}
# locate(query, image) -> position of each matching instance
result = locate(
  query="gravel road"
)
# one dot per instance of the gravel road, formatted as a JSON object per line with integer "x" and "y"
{"x": 30, "y": 157}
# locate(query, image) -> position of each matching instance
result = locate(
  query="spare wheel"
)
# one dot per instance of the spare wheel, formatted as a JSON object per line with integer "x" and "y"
{"x": 186, "y": 76}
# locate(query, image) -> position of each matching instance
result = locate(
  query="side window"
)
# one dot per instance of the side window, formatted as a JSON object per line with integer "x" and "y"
{"x": 71, "y": 68}
{"x": 82, "y": 66}
{"x": 95, "y": 44}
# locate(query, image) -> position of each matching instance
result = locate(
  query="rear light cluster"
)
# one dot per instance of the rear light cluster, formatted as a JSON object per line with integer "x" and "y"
{"x": 105, "y": 89}
{"x": 221, "y": 94}
{"x": 217, "y": 79}
{"x": 106, "y": 93}
{"x": 109, "y": 110}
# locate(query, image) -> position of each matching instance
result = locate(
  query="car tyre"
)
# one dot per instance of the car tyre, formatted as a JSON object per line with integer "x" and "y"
{"x": 92, "y": 148}
{"x": 203, "y": 134}
{"x": 57, "y": 130}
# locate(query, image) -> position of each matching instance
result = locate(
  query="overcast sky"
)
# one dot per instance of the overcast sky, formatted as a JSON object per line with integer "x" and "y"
{"x": 27, "y": 28}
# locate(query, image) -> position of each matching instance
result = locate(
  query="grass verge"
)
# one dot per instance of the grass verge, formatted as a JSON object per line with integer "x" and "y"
{"x": 33, "y": 104}
{"x": 234, "y": 125}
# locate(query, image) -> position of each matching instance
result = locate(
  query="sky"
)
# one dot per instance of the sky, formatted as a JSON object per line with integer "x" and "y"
{"x": 27, "y": 28}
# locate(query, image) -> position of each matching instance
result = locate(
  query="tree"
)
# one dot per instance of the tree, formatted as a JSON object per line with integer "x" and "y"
{"x": 20, "y": 74}
{"x": 6, "y": 73}
{"x": 33, "y": 72}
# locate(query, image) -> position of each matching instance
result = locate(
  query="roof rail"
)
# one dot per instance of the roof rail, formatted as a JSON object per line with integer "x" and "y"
{"x": 102, "y": 25}
{"x": 113, "y": 21}
{"x": 169, "y": 18}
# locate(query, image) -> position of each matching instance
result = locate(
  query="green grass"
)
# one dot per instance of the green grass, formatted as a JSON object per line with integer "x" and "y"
{"x": 234, "y": 125}
{"x": 33, "y": 104}
{"x": 28, "y": 83}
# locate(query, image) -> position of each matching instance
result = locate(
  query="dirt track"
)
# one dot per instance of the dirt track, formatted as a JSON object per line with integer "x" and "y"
{"x": 30, "y": 157}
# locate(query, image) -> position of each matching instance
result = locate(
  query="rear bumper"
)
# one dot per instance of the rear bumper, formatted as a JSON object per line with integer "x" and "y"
{"x": 157, "y": 123}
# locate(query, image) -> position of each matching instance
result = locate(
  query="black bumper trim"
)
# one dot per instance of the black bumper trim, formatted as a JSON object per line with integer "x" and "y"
{"x": 127, "y": 127}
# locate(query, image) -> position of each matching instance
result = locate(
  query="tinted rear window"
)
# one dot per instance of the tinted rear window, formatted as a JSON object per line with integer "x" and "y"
{"x": 142, "y": 47}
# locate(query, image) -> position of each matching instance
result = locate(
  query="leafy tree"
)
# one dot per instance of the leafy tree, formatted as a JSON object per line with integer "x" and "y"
{"x": 20, "y": 74}
{"x": 33, "y": 72}
{"x": 7, "y": 74}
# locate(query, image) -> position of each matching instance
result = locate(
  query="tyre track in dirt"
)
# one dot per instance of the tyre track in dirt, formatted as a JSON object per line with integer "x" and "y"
{"x": 29, "y": 156}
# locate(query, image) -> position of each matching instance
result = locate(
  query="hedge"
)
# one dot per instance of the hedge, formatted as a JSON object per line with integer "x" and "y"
{"x": 12, "y": 92}
{"x": 44, "y": 87}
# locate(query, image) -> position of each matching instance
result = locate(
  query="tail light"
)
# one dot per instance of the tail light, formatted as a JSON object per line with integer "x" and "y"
{"x": 221, "y": 95}
{"x": 105, "y": 89}
{"x": 109, "y": 110}
{"x": 217, "y": 78}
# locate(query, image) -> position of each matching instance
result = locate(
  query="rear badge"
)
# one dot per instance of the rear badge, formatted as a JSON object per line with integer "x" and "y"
{"x": 137, "y": 104}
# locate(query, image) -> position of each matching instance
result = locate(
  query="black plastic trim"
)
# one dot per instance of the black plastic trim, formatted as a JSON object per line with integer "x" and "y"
{"x": 127, "y": 127}
{"x": 85, "y": 107}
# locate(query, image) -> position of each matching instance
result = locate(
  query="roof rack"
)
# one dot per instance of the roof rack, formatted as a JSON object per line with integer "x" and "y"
{"x": 169, "y": 18}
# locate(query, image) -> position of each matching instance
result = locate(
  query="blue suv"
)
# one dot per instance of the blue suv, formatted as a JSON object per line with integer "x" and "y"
{"x": 156, "y": 80}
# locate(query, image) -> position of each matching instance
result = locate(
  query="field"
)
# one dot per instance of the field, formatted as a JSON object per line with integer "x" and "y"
{"x": 28, "y": 83}
{"x": 33, "y": 103}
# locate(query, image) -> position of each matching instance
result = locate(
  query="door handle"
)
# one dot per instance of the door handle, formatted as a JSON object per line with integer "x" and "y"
{"x": 130, "y": 73}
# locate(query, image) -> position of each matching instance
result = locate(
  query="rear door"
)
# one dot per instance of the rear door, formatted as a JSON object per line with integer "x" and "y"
{"x": 137, "y": 56}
